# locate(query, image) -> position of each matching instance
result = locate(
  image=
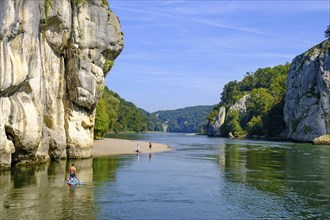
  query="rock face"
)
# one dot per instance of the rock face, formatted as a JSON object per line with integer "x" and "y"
{"x": 213, "y": 128}
{"x": 307, "y": 100}
{"x": 241, "y": 104}
{"x": 54, "y": 55}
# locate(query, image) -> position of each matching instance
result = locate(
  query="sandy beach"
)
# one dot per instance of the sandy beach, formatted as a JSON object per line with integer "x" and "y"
{"x": 111, "y": 146}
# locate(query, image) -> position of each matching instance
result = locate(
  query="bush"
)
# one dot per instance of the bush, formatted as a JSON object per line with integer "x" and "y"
{"x": 255, "y": 126}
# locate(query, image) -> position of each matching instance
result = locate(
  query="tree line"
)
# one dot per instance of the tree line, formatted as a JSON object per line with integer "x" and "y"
{"x": 185, "y": 120}
{"x": 115, "y": 115}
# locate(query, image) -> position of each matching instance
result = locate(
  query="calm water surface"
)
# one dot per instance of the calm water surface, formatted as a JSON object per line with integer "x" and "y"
{"x": 202, "y": 178}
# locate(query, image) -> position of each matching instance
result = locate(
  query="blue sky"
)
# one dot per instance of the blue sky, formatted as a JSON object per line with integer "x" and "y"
{"x": 181, "y": 53}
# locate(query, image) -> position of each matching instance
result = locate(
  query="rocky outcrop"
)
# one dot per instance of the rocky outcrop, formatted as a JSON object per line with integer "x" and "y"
{"x": 241, "y": 104}
{"x": 54, "y": 55}
{"x": 213, "y": 127}
{"x": 324, "y": 139}
{"x": 307, "y": 99}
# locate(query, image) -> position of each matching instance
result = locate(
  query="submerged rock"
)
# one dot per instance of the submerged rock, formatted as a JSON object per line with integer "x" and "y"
{"x": 54, "y": 55}
{"x": 307, "y": 99}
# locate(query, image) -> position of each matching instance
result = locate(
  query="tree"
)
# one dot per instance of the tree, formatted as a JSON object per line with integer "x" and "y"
{"x": 231, "y": 93}
{"x": 232, "y": 124}
{"x": 255, "y": 126}
{"x": 261, "y": 102}
{"x": 101, "y": 119}
{"x": 327, "y": 32}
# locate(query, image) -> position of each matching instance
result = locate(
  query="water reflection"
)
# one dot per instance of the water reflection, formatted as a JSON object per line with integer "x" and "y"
{"x": 34, "y": 192}
{"x": 299, "y": 174}
{"x": 40, "y": 191}
{"x": 105, "y": 168}
{"x": 202, "y": 179}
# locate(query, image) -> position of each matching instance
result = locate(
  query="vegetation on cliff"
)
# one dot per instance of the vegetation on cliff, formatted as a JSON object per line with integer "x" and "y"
{"x": 264, "y": 110}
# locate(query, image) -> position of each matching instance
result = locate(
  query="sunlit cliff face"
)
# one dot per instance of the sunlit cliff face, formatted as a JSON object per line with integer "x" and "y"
{"x": 52, "y": 71}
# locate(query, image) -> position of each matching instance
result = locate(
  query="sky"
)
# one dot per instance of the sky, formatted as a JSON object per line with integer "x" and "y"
{"x": 180, "y": 53}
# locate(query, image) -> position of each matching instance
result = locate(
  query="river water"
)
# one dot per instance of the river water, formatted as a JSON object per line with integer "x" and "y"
{"x": 202, "y": 178}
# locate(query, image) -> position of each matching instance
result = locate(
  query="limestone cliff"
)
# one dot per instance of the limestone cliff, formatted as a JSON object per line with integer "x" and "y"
{"x": 213, "y": 127}
{"x": 307, "y": 100}
{"x": 241, "y": 104}
{"x": 54, "y": 55}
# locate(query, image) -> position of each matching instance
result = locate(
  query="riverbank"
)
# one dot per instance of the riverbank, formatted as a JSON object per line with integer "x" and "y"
{"x": 111, "y": 146}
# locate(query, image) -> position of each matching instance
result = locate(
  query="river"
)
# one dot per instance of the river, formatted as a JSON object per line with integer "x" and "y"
{"x": 202, "y": 178}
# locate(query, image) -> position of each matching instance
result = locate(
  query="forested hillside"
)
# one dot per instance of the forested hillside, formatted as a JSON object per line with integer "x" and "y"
{"x": 186, "y": 120}
{"x": 115, "y": 114}
{"x": 262, "y": 115}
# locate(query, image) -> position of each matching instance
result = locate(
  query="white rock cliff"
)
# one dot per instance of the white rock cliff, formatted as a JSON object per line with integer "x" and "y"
{"x": 307, "y": 100}
{"x": 54, "y": 55}
{"x": 213, "y": 127}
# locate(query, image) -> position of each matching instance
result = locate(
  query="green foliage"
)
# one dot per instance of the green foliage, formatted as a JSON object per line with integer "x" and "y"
{"x": 261, "y": 102}
{"x": 107, "y": 65}
{"x": 255, "y": 126}
{"x": 105, "y": 2}
{"x": 213, "y": 114}
{"x": 114, "y": 114}
{"x": 231, "y": 93}
{"x": 101, "y": 119}
{"x": 130, "y": 118}
{"x": 186, "y": 120}
{"x": 232, "y": 124}
{"x": 273, "y": 121}
{"x": 47, "y": 4}
{"x": 79, "y": 1}
{"x": 264, "y": 113}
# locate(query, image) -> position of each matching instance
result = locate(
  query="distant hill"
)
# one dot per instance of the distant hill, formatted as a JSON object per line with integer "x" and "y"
{"x": 115, "y": 114}
{"x": 186, "y": 120}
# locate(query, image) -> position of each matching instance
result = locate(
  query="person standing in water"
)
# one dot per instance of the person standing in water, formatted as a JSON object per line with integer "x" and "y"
{"x": 150, "y": 146}
{"x": 72, "y": 171}
{"x": 138, "y": 148}
{"x": 73, "y": 180}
